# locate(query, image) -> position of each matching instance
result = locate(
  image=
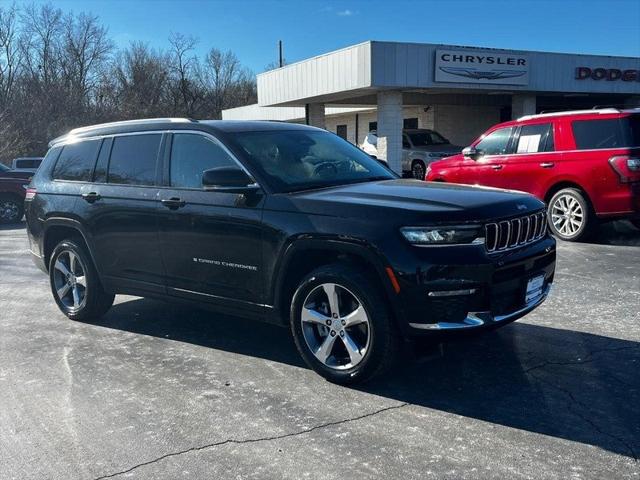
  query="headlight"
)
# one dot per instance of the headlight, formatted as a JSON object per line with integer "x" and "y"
{"x": 446, "y": 235}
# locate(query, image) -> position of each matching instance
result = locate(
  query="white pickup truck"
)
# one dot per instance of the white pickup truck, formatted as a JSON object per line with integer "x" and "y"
{"x": 420, "y": 147}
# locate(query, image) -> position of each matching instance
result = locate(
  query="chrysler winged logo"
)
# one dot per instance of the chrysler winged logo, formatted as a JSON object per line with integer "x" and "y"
{"x": 479, "y": 74}
{"x": 521, "y": 207}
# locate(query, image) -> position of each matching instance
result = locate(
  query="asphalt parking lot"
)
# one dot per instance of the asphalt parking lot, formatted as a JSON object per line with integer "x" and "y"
{"x": 155, "y": 390}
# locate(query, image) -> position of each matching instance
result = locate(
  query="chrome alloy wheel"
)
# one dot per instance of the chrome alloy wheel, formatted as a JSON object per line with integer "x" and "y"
{"x": 69, "y": 280}
{"x": 567, "y": 215}
{"x": 335, "y": 326}
{"x": 9, "y": 210}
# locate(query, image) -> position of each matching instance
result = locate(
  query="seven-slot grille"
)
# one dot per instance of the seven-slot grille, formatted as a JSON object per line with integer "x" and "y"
{"x": 508, "y": 234}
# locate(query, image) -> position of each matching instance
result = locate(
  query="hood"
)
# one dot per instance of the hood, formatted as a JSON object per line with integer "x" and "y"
{"x": 446, "y": 149}
{"x": 17, "y": 175}
{"x": 399, "y": 201}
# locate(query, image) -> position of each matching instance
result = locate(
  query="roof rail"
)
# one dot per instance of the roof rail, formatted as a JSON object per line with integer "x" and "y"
{"x": 570, "y": 112}
{"x": 141, "y": 121}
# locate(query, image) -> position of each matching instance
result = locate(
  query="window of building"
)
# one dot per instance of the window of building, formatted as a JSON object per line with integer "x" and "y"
{"x": 410, "y": 123}
{"x": 76, "y": 161}
{"x": 191, "y": 155}
{"x": 341, "y": 131}
{"x": 373, "y": 126}
{"x": 535, "y": 138}
{"x": 496, "y": 143}
{"x": 133, "y": 159}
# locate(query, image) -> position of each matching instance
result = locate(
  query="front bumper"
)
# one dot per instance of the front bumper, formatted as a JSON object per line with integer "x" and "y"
{"x": 475, "y": 320}
{"x": 466, "y": 289}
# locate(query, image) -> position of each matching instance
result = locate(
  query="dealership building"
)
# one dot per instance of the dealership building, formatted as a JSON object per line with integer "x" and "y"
{"x": 457, "y": 91}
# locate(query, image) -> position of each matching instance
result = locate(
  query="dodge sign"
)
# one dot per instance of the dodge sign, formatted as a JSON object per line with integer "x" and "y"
{"x": 481, "y": 66}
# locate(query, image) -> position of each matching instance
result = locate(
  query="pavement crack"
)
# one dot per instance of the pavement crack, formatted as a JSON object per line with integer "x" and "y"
{"x": 254, "y": 440}
{"x": 588, "y": 358}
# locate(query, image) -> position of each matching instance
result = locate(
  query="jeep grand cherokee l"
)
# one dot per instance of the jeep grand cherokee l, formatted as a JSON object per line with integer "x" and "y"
{"x": 584, "y": 164}
{"x": 284, "y": 223}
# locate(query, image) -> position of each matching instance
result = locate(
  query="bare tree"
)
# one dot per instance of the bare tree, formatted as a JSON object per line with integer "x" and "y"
{"x": 184, "y": 65}
{"x": 9, "y": 53}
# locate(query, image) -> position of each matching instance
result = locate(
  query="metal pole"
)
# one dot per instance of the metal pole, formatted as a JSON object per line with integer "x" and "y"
{"x": 281, "y": 60}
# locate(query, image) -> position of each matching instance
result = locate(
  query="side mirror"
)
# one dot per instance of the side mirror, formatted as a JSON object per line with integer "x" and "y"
{"x": 228, "y": 179}
{"x": 472, "y": 153}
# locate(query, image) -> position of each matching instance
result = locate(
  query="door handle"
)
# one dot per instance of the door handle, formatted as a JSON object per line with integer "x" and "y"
{"x": 173, "y": 203}
{"x": 91, "y": 197}
{"x": 496, "y": 167}
{"x": 547, "y": 164}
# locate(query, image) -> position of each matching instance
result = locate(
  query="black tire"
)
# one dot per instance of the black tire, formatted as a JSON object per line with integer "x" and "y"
{"x": 383, "y": 339}
{"x": 95, "y": 302}
{"x": 11, "y": 209}
{"x": 418, "y": 169}
{"x": 566, "y": 229}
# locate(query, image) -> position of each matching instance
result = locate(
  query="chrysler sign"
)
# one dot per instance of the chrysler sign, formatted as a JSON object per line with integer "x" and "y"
{"x": 478, "y": 66}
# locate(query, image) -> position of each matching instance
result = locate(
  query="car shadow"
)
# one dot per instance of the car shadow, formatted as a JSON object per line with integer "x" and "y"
{"x": 21, "y": 225}
{"x": 562, "y": 383}
{"x": 620, "y": 233}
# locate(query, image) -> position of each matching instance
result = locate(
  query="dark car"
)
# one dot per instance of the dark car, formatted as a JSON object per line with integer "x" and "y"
{"x": 288, "y": 224}
{"x": 12, "y": 194}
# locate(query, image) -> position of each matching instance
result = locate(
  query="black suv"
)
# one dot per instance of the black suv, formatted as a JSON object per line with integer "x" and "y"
{"x": 285, "y": 223}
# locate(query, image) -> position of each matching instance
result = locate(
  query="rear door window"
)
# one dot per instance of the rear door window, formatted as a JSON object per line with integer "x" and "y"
{"x": 497, "y": 142}
{"x": 535, "y": 138}
{"x": 606, "y": 133}
{"x": 76, "y": 161}
{"x": 133, "y": 159}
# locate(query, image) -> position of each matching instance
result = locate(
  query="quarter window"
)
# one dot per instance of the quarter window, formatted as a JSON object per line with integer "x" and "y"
{"x": 496, "y": 143}
{"x": 192, "y": 154}
{"x": 133, "y": 159}
{"x": 535, "y": 138}
{"x": 76, "y": 161}
{"x": 609, "y": 133}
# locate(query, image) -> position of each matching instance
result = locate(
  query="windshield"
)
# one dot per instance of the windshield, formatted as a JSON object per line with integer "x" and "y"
{"x": 427, "y": 138}
{"x": 4, "y": 168}
{"x": 300, "y": 160}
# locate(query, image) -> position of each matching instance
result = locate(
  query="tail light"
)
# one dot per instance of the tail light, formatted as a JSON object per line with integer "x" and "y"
{"x": 627, "y": 168}
{"x": 31, "y": 193}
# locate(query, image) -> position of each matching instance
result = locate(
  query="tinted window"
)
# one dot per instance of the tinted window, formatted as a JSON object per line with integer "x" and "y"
{"x": 610, "y": 133}
{"x": 302, "y": 159}
{"x": 426, "y": 138}
{"x": 4, "y": 168}
{"x": 100, "y": 174}
{"x": 76, "y": 161}
{"x": 28, "y": 163}
{"x": 496, "y": 143}
{"x": 535, "y": 138}
{"x": 191, "y": 155}
{"x": 133, "y": 159}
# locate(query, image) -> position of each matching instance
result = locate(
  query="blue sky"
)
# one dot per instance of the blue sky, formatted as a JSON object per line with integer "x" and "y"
{"x": 252, "y": 28}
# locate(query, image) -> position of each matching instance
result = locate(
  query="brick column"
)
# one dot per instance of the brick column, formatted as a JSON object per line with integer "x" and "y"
{"x": 315, "y": 115}
{"x": 390, "y": 129}
{"x": 522, "y": 105}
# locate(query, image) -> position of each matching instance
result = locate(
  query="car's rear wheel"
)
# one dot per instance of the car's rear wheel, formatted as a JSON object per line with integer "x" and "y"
{"x": 570, "y": 215}
{"x": 341, "y": 326}
{"x": 75, "y": 285}
{"x": 11, "y": 209}
{"x": 418, "y": 169}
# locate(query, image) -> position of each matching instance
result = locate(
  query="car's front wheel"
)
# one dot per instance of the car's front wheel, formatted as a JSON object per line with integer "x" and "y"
{"x": 570, "y": 215}
{"x": 418, "y": 169}
{"x": 75, "y": 285}
{"x": 11, "y": 209}
{"x": 341, "y": 325}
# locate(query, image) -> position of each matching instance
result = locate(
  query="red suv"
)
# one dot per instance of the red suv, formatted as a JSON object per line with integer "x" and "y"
{"x": 585, "y": 165}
